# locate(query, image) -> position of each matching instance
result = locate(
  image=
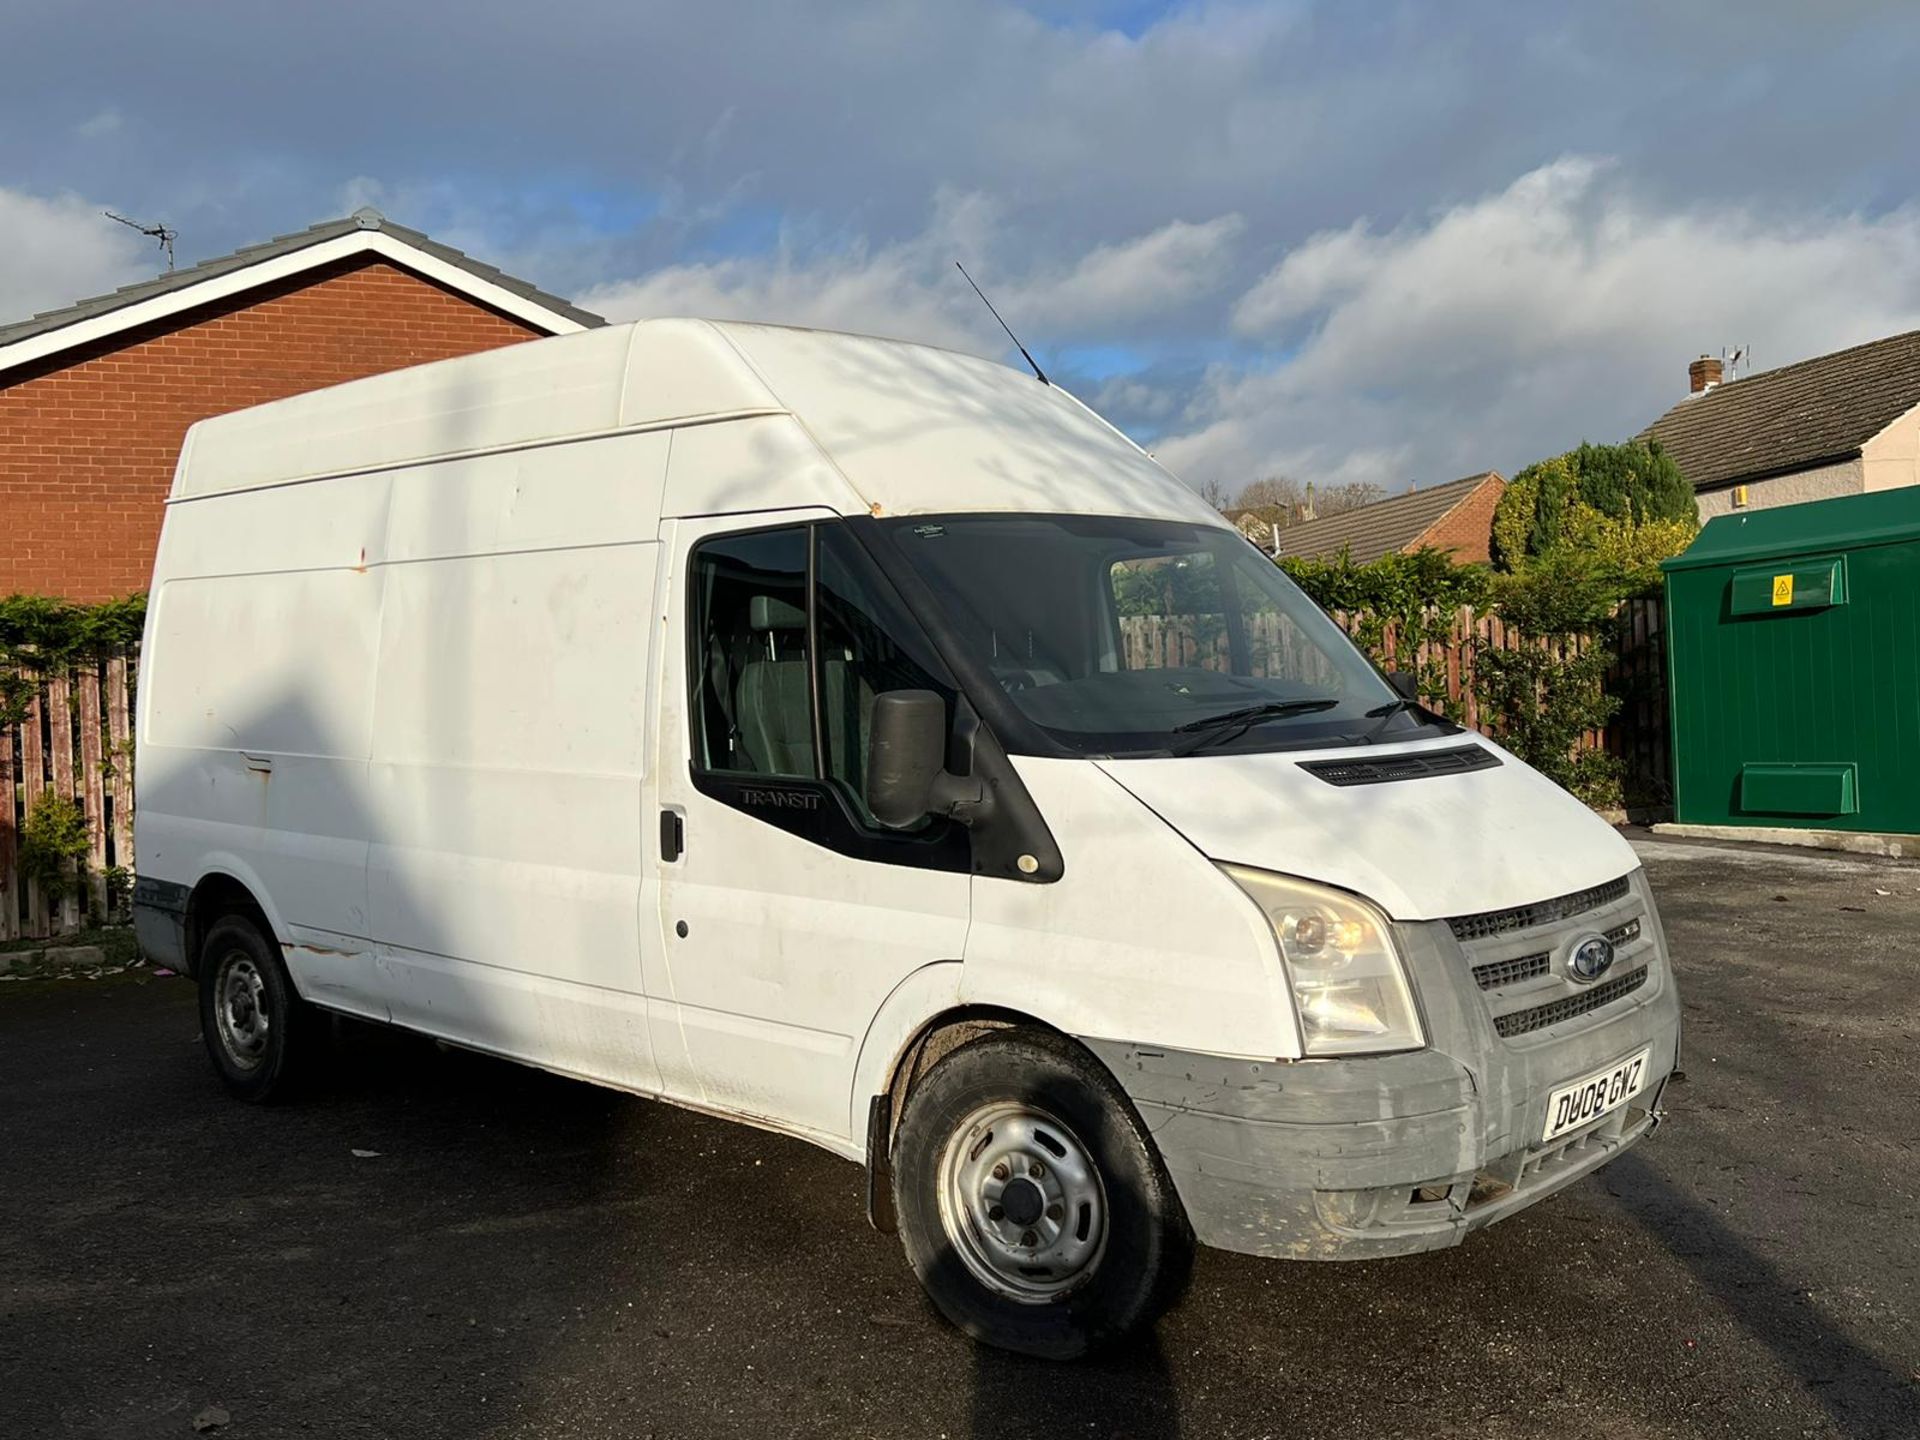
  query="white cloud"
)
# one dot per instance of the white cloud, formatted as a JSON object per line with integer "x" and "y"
{"x": 1514, "y": 325}
{"x": 1113, "y": 287}
{"x": 98, "y": 126}
{"x": 907, "y": 289}
{"x": 910, "y": 289}
{"x": 61, "y": 249}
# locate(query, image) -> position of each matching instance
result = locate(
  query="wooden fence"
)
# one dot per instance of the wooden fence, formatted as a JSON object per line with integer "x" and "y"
{"x": 77, "y": 742}
{"x": 1638, "y": 734}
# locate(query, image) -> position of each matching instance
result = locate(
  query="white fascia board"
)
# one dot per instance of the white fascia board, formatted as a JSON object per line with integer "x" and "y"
{"x": 282, "y": 267}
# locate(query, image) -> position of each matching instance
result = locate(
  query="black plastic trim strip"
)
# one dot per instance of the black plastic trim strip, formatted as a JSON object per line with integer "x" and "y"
{"x": 1412, "y": 765}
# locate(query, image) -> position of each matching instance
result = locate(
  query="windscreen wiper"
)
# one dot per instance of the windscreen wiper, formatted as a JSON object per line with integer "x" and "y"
{"x": 1230, "y": 723}
{"x": 1385, "y": 713}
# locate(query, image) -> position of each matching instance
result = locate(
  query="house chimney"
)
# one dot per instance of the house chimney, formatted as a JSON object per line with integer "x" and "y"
{"x": 1703, "y": 374}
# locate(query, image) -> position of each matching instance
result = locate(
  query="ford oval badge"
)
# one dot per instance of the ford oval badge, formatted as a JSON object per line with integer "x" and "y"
{"x": 1591, "y": 957}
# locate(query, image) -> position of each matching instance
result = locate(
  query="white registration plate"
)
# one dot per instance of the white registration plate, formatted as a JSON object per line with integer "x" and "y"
{"x": 1586, "y": 1100}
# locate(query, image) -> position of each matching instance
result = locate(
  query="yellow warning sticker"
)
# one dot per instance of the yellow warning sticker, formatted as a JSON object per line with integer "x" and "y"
{"x": 1783, "y": 589}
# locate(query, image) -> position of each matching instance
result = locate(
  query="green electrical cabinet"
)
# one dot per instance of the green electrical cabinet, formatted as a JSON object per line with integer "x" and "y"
{"x": 1793, "y": 658}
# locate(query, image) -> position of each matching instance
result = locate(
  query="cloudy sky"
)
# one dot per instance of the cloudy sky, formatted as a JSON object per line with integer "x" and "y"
{"x": 1391, "y": 242}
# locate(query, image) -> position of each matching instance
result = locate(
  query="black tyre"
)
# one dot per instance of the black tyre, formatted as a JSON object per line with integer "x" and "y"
{"x": 258, "y": 1032}
{"x": 1031, "y": 1201}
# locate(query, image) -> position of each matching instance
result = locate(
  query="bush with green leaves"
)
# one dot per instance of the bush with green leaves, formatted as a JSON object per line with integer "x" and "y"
{"x": 1629, "y": 504}
{"x": 1538, "y": 697}
{"x": 1543, "y": 694}
{"x": 42, "y": 637}
{"x": 54, "y": 844}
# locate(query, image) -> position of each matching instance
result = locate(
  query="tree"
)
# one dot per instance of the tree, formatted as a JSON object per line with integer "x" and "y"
{"x": 1627, "y": 505}
{"x": 1275, "y": 492}
{"x": 1338, "y": 499}
{"x": 1215, "y": 494}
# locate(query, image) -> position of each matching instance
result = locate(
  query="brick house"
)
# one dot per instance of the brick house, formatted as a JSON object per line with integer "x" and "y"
{"x": 1456, "y": 517}
{"x": 1839, "y": 424}
{"x": 95, "y": 397}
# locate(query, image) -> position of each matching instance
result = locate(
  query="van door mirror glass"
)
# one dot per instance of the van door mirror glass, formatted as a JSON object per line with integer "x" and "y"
{"x": 908, "y": 754}
{"x": 1404, "y": 684}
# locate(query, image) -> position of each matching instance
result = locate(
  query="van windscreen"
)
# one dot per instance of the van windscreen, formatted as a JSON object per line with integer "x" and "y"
{"x": 1121, "y": 636}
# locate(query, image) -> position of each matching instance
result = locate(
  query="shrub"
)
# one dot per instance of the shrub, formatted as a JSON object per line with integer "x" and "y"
{"x": 41, "y": 637}
{"x": 1542, "y": 696}
{"x": 1630, "y": 497}
{"x": 1538, "y": 698}
{"x": 54, "y": 844}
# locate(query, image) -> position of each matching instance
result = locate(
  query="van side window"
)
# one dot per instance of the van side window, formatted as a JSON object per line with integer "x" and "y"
{"x": 753, "y": 711}
{"x": 869, "y": 645}
{"x": 761, "y": 601}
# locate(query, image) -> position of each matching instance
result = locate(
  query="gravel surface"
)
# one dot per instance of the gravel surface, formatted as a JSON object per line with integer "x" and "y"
{"x": 523, "y": 1256}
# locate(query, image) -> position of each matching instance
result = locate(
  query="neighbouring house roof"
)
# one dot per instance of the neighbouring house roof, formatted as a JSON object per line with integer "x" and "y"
{"x": 1814, "y": 413}
{"x": 1382, "y": 528}
{"x": 366, "y": 231}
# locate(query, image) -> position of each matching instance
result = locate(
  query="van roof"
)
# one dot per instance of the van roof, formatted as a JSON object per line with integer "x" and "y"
{"x": 912, "y": 429}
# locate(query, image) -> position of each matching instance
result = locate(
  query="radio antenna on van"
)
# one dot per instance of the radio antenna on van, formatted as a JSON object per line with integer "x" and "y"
{"x": 1003, "y": 325}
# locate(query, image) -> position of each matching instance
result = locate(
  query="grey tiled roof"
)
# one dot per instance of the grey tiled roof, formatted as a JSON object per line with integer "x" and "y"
{"x": 1819, "y": 410}
{"x": 50, "y": 320}
{"x": 1382, "y": 528}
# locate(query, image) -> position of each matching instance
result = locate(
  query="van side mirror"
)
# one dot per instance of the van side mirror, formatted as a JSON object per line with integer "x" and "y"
{"x": 907, "y": 778}
{"x": 1405, "y": 684}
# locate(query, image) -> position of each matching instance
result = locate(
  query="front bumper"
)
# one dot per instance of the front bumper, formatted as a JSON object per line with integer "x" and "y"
{"x": 1396, "y": 1154}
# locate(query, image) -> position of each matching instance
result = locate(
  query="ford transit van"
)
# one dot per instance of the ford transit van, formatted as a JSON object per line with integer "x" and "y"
{"x": 868, "y": 742}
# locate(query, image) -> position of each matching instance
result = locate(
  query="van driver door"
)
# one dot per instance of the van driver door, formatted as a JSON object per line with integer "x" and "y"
{"x": 787, "y": 914}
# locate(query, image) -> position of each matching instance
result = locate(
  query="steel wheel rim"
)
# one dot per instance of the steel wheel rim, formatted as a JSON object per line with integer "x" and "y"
{"x": 1022, "y": 1202}
{"x": 240, "y": 1011}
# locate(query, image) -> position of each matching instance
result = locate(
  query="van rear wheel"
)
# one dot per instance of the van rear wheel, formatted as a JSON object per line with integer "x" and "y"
{"x": 1031, "y": 1202}
{"x": 258, "y": 1032}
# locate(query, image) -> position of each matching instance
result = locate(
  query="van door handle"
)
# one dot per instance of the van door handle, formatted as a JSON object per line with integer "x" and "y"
{"x": 259, "y": 764}
{"x": 673, "y": 836}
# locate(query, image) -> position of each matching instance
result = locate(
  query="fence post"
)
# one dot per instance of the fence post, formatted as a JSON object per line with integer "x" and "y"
{"x": 120, "y": 677}
{"x": 93, "y": 789}
{"x": 9, "y": 844}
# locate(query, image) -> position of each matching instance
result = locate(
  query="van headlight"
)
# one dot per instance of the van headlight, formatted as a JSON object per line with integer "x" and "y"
{"x": 1349, "y": 984}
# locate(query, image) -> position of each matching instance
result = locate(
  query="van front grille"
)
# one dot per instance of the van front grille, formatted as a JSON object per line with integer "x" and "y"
{"x": 1511, "y": 972}
{"x": 1523, "y": 1022}
{"x": 1541, "y": 912}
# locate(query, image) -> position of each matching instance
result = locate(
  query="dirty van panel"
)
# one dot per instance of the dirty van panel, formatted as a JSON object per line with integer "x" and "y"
{"x": 764, "y": 463}
{"x": 790, "y": 916}
{"x": 340, "y": 525}
{"x": 509, "y": 746}
{"x": 256, "y": 728}
{"x": 531, "y": 499}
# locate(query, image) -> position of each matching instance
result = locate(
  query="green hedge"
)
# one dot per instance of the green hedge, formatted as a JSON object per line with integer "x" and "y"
{"x": 40, "y": 638}
{"x": 1538, "y": 698}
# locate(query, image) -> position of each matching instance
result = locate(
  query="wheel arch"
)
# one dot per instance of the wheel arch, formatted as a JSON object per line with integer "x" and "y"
{"x": 225, "y": 888}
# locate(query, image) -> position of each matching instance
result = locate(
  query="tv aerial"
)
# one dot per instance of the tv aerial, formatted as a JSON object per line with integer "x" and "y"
{"x": 160, "y": 233}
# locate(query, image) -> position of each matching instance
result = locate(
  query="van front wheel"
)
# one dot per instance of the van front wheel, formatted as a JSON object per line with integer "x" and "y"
{"x": 1031, "y": 1202}
{"x": 257, "y": 1030}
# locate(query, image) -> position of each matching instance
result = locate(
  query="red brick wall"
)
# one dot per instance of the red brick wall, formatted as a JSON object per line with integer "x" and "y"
{"x": 89, "y": 437}
{"x": 1467, "y": 529}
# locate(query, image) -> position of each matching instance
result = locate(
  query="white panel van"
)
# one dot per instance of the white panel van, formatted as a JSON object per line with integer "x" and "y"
{"x": 868, "y": 742}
